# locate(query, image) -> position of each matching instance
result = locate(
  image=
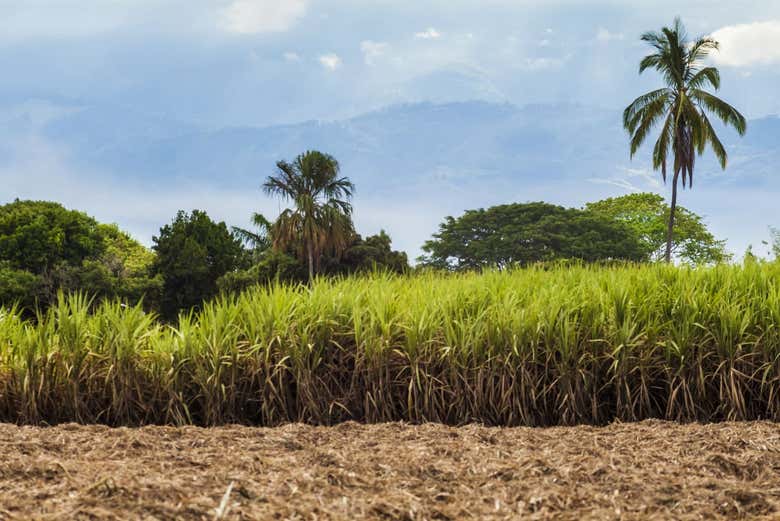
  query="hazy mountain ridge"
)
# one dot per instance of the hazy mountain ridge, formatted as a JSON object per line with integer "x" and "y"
{"x": 435, "y": 159}
{"x": 394, "y": 145}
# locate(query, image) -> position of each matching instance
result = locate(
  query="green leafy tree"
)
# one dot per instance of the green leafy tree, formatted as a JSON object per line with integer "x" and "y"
{"x": 514, "y": 234}
{"x": 320, "y": 220}
{"x": 681, "y": 107}
{"x": 46, "y": 248}
{"x": 126, "y": 268}
{"x": 193, "y": 252}
{"x": 273, "y": 266}
{"x": 647, "y": 215}
{"x": 19, "y": 287}
{"x": 375, "y": 252}
{"x": 36, "y": 236}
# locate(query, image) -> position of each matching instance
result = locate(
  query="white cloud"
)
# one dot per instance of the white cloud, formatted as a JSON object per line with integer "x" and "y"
{"x": 372, "y": 50}
{"x": 430, "y": 33}
{"x": 749, "y": 44}
{"x": 604, "y": 35}
{"x": 330, "y": 61}
{"x": 632, "y": 180}
{"x": 260, "y": 16}
{"x": 291, "y": 56}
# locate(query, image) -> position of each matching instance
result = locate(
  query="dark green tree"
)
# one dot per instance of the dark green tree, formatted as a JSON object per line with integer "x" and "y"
{"x": 520, "y": 234}
{"x": 372, "y": 253}
{"x": 19, "y": 287}
{"x": 682, "y": 105}
{"x": 647, "y": 215}
{"x": 375, "y": 252}
{"x": 193, "y": 252}
{"x": 273, "y": 266}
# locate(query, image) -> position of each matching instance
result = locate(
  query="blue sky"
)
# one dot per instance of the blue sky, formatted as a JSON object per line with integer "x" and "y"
{"x": 220, "y": 63}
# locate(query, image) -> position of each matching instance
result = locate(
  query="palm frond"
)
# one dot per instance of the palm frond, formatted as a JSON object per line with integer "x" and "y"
{"x": 725, "y": 112}
{"x": 714, "y": 141}
{"x": 644, "y": 121}
{"x": 639, "y": 105}
{"x": 701, "y": 48}
{"x": 661, "y": 149}
{"x": 706, "y": 75}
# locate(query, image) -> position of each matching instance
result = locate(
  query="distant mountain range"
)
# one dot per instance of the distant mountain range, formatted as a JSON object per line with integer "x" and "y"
{"x": 412, "y": 164}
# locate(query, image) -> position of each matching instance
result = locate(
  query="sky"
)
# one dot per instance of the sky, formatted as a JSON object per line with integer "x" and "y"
{"x": 226, "y": 63}
{"x": 259, "y": 62}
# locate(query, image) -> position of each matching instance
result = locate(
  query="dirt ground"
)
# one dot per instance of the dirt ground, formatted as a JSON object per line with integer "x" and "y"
{"x": 650, "y": 470}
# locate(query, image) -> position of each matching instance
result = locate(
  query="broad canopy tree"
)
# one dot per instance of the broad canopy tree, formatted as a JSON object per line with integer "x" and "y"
{"x": 520, "y": 234}
{"x": 45, "y": 248}
{"x": 647, "y": 214}
{"x": 37, "y": 236}
{"x": 681, "y": 107}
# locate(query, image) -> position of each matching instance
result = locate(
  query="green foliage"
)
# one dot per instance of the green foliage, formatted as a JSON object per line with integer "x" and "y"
{"x": 375, "y": 252}
{"x": 35, "y": 236}
{"x": 19, "y": 286}
{"x": 320, "y": 222}
{"x": 683, "y": 108}
{"x": 124, "y": 270}
{"x": 647, "y": 214}
{"x": 682, "y": 104}
{"x": 273, "y": 267}
{"x": 521, "y": 234}
{"x": 258, "y": 241}
{"x": 45, "y": 248}
{"x": 582, "y": 344}
{"x": 193, "y": 252}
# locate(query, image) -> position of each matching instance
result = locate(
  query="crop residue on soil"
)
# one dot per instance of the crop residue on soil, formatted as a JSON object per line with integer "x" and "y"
{"x": 649, "y": 470}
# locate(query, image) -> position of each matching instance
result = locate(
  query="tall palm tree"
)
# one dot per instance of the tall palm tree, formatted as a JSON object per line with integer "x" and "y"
{"x": 682, "y": 105}
{"x": 321, "y": 217}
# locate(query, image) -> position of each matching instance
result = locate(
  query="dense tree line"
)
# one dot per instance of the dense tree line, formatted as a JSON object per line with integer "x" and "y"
{"x": 46, "y": 248}
{"x": 628, "y": 228}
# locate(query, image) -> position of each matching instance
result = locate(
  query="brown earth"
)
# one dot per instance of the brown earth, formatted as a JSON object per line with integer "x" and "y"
{"x": 650, "y": 470}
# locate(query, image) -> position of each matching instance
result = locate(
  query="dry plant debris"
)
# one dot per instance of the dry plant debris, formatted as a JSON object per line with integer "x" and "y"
{"x": 647, "y": 470}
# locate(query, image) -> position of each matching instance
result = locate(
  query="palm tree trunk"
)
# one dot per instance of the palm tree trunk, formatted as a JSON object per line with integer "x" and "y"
{"x": 311, "y": 262}
{"x": 670, "y": 229}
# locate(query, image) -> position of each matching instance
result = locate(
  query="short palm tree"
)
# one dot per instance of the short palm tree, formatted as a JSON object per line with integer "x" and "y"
{"x": 320, "y": 219}
{"x": 259, "y": 240}
{"x": 682, "y": 105}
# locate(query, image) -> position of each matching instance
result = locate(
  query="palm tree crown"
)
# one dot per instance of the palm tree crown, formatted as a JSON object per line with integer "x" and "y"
{"x": 321, "y": 217}
{"x": 683, "y": 106}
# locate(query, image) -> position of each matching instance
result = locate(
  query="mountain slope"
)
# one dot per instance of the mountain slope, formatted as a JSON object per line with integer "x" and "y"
{"x": 412, "y": 164}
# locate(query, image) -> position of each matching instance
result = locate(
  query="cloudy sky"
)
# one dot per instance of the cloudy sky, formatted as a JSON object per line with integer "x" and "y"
{"x": 257, "y": 62}
{"x": 221, "y": 63}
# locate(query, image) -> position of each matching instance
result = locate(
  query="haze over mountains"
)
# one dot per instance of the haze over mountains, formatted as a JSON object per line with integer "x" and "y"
{"x": 412, "y": 164}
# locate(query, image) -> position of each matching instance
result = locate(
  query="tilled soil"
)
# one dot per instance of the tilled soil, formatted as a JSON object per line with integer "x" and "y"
{"x": 649, "y": 470}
